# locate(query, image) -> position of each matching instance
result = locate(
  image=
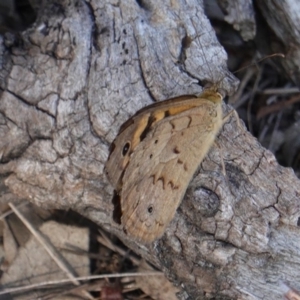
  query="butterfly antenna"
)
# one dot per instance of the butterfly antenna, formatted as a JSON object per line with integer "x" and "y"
{"x": 260, "y": 60}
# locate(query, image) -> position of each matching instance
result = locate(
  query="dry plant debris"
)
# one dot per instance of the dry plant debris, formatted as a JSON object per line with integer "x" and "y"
{"x": 49, "y": 261}
{"x": 268, "y": 103}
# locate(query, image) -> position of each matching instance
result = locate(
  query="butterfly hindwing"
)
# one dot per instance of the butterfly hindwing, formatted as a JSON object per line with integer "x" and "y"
{"x": 162, "y": 166}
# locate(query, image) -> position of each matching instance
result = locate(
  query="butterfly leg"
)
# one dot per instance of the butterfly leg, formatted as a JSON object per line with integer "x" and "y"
{"x": 223, "y": 167}
{"x": 241, "y": 127}
{"x": 221, "y": 158}
{"x": 233, "y": 111}
{"x": 225, "y": 119}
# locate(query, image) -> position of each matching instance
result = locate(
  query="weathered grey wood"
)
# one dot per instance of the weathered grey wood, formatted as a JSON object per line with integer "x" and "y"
{"x": 283, "y": 20}
{"x": 239, "y": 13}
{"x": 80, "y": 72}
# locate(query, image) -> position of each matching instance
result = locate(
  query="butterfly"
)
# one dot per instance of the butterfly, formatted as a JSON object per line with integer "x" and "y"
{"x": 154, "y": 157}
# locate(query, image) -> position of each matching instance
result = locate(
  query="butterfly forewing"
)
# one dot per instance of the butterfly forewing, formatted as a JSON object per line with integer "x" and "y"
{"x": 134, "y": 130}
{"x": 162, "y": 166}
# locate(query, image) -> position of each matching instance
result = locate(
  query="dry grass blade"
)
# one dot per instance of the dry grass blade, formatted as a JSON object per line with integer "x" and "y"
{"x": 84, "y": 278}
{"x": 51, "y": 250}
{"x": 104, "y": 240}
{"x": 276, "y": 107}
{"x": 48, "y": 246}
{"x": 3, "y": 216}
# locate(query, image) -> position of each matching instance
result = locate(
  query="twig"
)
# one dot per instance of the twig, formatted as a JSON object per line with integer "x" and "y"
{"x": 107, "y": 243}
{"x": 54, "y": 282}
{"x": 54, "y": 254}
{"x": 3, "y": 216}
{"x": 277, "y": 107}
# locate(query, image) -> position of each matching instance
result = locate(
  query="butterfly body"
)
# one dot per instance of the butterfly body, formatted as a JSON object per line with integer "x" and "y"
{"x": 156, "y": 154}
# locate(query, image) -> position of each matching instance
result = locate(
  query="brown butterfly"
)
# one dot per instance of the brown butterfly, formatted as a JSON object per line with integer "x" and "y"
{"x": 154, "y": 156}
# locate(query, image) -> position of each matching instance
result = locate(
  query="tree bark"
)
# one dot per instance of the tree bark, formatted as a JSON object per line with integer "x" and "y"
{"x": 78, "y": 73}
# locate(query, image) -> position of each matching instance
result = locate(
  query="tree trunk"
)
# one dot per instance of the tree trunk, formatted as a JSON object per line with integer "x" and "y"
{"x": 69, "y": 82}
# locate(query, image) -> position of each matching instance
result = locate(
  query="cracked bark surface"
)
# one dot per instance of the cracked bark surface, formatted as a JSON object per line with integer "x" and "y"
{"x": 77, "y": 74}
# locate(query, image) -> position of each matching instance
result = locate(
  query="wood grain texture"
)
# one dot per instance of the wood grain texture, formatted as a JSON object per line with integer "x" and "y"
{"x": 283, "y": 21}
{"x": 85, "y": 68}
{"x": 239, "y": 13}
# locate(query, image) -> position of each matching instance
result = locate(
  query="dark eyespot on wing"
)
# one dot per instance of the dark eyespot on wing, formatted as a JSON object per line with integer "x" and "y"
{"x": 150, "y": 209}
{"x": 126, "y": 148}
